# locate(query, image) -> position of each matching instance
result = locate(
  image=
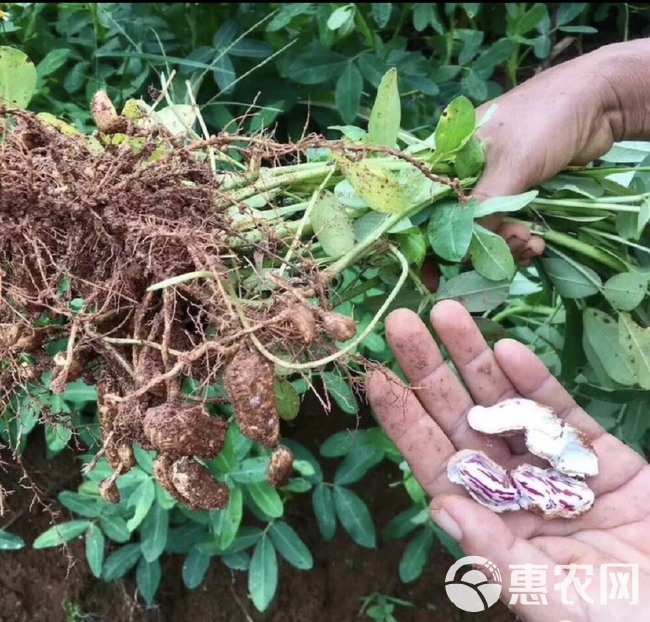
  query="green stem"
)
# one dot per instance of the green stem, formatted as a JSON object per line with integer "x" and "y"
{"x": 567, "y": 241}
{"x": 612, "y": 206}
{"x": 523, "y": 308}
{"x": 616, "y": 238}
{"x": 264, "y": 185}
{"x": 304, "y": 221}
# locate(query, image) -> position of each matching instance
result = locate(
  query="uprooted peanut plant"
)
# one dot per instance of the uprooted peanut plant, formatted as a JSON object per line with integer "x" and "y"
{"x": 188, "y": 276}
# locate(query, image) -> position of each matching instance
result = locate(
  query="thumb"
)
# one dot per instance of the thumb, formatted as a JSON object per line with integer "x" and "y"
{"x": 501, "y": 177}
{"x": 479, "y": 531}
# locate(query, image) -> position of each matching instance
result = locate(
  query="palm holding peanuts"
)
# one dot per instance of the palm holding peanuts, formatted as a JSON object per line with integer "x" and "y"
{"x": 428, "y": 424}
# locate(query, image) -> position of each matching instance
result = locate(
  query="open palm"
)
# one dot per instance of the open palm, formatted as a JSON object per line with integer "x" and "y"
{"x": 428, "y": 422}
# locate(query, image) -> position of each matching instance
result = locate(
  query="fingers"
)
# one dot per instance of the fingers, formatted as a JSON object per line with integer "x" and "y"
{"x": 471, "y": 354}
{"x": 483, "y": 533}
{"x": 418, "y": 437}
{"x": 436, "y": 386}
{"x": 501, "y": 175}
{"x": 523, "y": 245}
{"x": 531, "y": 378}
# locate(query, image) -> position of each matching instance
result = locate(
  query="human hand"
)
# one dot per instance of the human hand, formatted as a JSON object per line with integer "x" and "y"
{"x": 569, "y": 114}
{"x": 428, "y": 424}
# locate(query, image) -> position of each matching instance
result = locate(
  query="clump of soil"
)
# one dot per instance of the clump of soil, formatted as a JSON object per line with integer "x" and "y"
{"x": 87, "y": 227}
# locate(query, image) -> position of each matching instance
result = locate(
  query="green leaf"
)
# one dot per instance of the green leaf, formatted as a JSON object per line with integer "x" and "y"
{"x": 316, "y": 67}
{"x": 340, "y": 443}
{"x": 530, "y": 19}
{"x": 115, "y": 528}
{"x": 495, "y": 55}
{"x": 141, "y": 498}
{"x": 59, "y": 534}
{"x": 119, "y": 562}
{"x": 424, "y": 14}
{"x": 251, "y": 470}
{"x": 476, "y": 293}
{"x": 153, "y": 532}
{"x": 237, "y": 561}
{"x": 340, "y": 16}
{"x": 573, "y": 356}
{"x": 195, "y": 566}
{"x": 469, "y": 160}
{"x": 572, "y": 280}
{"x": 583, "y": 30}
{"x": 147, "y": 577}
{"x": 288, "y": 543}
{"x": 568, "y": 11}
{"x": 79, "y": 392}
{"x": 381, "y": 12}
{"x": 636, "y": 341}
{"x": 386, "y": 113}
{"x": 403, "y": 524}
{"x": 375, "y": 184}
{"x": 324, "y": 510}
{"x": 414, "y": 246}
{"x": 57, "y": 437}
{"x": 355, "y": 134}
{"x": 415, "y": 556}
{"x": 357, "y": 463}
{"x": 83, "y": 505}
{"x": 17, "y": 78}
{"x": 181, "y": 539}
{"x": 355, "y": 517}
{"x": 231, "y": 517}
{"x": 490, "y": 255}
{"x": 455, "y": 126}
{"x": 450, "y": 229}
{"x": 332, "y": 225}
{"x": 475, "y": 86}
{"x": 246, "y": 537}
{"x": 501, "y": 205}
{"x": 20, "y": 426}
{"x": 337, "y": 387}
{"x": 348, "y": 93}
{"x": 626, "y": 291}
{"x": 144, "y": 459}
{"x": 52, "y": 61}
{"x": 298, "y": 485}
{"x": 263, "y": 574}
{"x": 10, "y": 541}
{"x": 95, "y": 549}
{"x": 635, "y": 421}
{"x": 267, "y": 499}
{"x": 287, "y": 400}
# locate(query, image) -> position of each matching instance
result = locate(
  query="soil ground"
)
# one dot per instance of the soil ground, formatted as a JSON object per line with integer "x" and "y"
{"x": 35, "y": 586}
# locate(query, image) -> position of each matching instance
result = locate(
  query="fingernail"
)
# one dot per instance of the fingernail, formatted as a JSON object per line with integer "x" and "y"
{"x": 447, "y": 524}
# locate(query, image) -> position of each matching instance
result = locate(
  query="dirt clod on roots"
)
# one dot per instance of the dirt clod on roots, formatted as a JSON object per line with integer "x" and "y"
{"x": 87, "y": 226}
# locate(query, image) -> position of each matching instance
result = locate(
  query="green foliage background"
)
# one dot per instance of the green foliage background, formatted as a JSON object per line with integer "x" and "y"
{"x": 288, "y": 68}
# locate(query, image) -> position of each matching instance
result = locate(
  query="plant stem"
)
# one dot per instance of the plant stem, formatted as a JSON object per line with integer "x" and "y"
{"x": 523, "y": 308}
{"x": 580, "y": 247}
{"x": 614, "y": 205}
